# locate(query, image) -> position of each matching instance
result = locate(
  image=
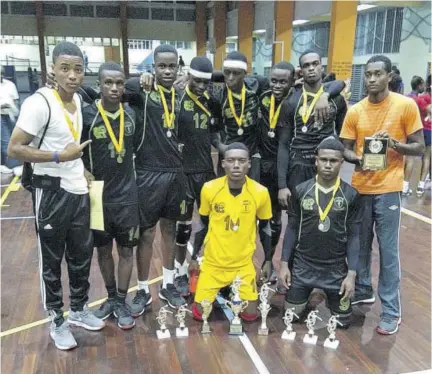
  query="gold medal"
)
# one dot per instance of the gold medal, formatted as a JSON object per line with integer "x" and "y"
{"x": 239, "y": 120}
{"x": 307, "y": 111}
{"x": 240, "y": 131}
{"x": 75, "y": 132}
{"x": 169, "y": 133}
{"x": 271, "y": 134}
{"x": 168, "y": 117}
{"x": 304, "y": 128}
{"x": 273, "y": 117}
{"x": 118, "y": 145}
{"x": 119, "y": 159}
{"x": 324, "y": 224}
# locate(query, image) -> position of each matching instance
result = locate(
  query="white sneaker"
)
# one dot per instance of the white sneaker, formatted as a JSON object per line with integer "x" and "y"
{"x": 63, "y": 338}
{"x": 18, "y": 170}
{"x": 5, "y": 170}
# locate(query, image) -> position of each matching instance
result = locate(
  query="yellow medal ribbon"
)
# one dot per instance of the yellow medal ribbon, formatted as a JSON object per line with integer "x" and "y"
{"x": 169, "y": 117}
{"x": 323, "y": 215}
{"x": 197, "y": 102}
{"x": 118, "y": 145}
{"x": 75, "y": 132}
{"x": 274, "y": 116}
{"x": 307, "y": 112}
{"x": 239, "y": 120}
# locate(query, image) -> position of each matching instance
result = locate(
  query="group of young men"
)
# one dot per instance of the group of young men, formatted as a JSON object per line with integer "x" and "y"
{"x": 151, "y": 145}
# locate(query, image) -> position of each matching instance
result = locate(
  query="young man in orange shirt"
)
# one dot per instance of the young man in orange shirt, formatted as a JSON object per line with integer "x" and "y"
{"x": 388, "y": 115}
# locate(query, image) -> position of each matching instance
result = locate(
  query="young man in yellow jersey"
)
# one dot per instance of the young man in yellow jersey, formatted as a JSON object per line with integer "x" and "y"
{"x": 230, "y": 206}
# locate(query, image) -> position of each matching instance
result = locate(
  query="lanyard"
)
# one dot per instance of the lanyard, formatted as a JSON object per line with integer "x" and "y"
{"x": 324, "y": 214}
{"x": 118, "y": 145}
{"x": 169, "y": 117}
{"x": 197, "y": 102}
{"x": 72, "y": 129}
{"x": 239, "y": 120}
{"x": 274, "y": 116}
{"x": 307, "y": 112}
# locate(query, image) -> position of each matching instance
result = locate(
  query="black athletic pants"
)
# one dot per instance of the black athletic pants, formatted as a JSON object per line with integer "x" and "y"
{"x": 63, "y": 228}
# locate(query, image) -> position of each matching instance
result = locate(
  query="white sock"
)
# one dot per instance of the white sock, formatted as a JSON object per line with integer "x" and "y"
{"x": 177, "y": 265}
{"x": 405, "y": 186}
{"x": 182, "y": 270}
{"x": 143, "y": 285}
{"x": 421, "y": 184}
{"x": 168, "y": 277}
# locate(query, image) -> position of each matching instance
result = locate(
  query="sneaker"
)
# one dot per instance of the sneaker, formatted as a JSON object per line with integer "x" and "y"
{"x": 363, "y": 299}
{"x": 420, "y": 191}
{"x": 124, "y": 317}
{"x": 139, "y": 303}
{"x": 171, "y": 296}
{"x": 18, "y": 170}
{"x": 5, "y": 170}
{"x": 182, "y": 285}
{"x": 388, "y": 325}
{"x": 85, "y": 318}
{"x": 63, "y": 338}
{"x": 105, "y": 310}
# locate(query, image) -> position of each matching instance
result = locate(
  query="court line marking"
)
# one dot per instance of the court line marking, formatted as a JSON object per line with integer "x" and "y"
{"x": 46, "y": 320}
{"x": 416, "y": 215}
{"x": 12, "y": 218}
{"x": 247, "y": 344}
{"x": 13, "y": 187}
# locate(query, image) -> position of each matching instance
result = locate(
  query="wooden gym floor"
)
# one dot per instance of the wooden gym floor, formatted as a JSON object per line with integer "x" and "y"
{"x": 27, "y": 348}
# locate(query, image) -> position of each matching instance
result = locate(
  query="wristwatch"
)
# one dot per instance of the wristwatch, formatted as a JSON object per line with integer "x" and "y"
{"x": 395, "y": 144}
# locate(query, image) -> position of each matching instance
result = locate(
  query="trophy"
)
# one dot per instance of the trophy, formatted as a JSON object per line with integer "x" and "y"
{"x": 163, "y": 332}
{"x": 331, "y": 341}
{"x": 206, "y": 310}
{"x": 310, "y": 337}
{"x": 182, "y": 330}
{"x": 264, "y": 308}
{"x": 289, "y": 333}
{"x": 375, "y": 153}
{"x": 236, "y": 305}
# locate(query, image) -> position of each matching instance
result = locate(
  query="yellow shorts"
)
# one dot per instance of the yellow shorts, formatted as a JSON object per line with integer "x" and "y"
{"x": 212, "y": 279}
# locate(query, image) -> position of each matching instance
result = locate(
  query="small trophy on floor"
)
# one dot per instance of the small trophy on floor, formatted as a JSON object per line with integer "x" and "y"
{"x": 289, "y": 333}
{"x": 331, "y": 341}
{"x": 264, "y": 308}
{"x": 182, "y": 330}
{"x": 236, "y": 305}
{"x": 206, "y": 310}
{"x": 310, "y": 337}
{"x": 163, "y": 332}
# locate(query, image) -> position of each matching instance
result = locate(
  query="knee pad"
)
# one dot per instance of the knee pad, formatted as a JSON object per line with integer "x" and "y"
{"x": 183, "y": 233}
{"x": 276, "y": 229}
{"x": 297, "y": 308}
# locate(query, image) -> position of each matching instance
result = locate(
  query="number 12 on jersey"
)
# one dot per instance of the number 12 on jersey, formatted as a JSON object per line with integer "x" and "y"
{"x": 200, "y": 121}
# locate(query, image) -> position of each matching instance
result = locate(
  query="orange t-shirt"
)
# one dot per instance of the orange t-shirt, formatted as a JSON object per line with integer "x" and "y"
{"x": 400, "y": 117}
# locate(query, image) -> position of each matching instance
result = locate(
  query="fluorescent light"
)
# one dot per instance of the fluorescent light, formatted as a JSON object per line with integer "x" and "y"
{"x": 365, "y": 7}
{"x": 260, "y": 31}
{"x": 300, "y": 21}
{"x": 232, "y": 37}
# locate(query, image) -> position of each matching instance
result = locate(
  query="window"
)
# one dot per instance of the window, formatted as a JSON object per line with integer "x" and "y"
{"x": 81, "y": 10}
{"x": 139, "y": 44}
{"x": 54, "y": 9}
{"x": 231, "y": 5}
{"x": 20, "y": 7}
{"x": 162, "y": 14}
{"x": 231, "y": 47}
{"x": 106, "y": 11}
{"x": 314, "y": 37}
{"x": 179, "y": 44}
{"x": 186, "y": 15}
{"x": 267, "y": 71}
{"x": 378, "y": 32}
{"x": 137, "y": 13}
{"x": 357, "y": 83}
{"x": 4, "y": 7}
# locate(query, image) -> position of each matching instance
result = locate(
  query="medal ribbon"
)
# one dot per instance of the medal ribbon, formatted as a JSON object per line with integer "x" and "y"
{"x": 239, "y": 120}
{"x": 323, "y": 215}
{"x": 118, "y": 145}
{"x": 72, "y": 129}
{"x": 306, "y": 113}
{"x": 169, "y": 117}
{"x": 274, "y": 116}
{"x": 197, "y": 102}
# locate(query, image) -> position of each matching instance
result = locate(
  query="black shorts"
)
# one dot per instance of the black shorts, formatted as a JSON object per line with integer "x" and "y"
{"x": 194, "y": 184}
{"x": 121, "y": 223}
{"x": 269, "y": 179}
{"x": 300, "y": 171}
{"x": 161, "y": 194}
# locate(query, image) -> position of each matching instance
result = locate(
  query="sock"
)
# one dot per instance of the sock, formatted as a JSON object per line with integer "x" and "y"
{"x": 112, "y": 291}
{"x": 405, "y": 186}
{"x": 143, "y": 285}
{"x": 182, "y": 270}
{"x": 177, "y": 265}
{"x": 121, "y": 296}
{"x": 168, "y": 277}
{"x": 421, "y": 184}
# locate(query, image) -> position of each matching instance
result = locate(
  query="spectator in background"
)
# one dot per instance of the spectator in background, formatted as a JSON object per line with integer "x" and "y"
{"x": 86, "y": 62}
{"x": 418, "y": 87}
{"x": 35, "y": 81}
{"x": 9, "y": 103}
{"x": 181, "y": 65}
{"x": 396, "y": 83}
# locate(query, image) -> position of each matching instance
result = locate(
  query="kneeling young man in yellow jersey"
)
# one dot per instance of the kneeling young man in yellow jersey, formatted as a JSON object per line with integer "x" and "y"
{"x": 230, "y": 207}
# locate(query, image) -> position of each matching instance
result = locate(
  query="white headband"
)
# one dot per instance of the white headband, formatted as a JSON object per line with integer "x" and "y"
{"x": 235, "y": 64}
{"x": 200, "y": 74}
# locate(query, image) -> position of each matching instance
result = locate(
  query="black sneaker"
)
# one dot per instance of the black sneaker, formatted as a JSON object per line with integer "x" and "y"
{"x": 105, "y": 310}
{"x": 139, "y": 303}
{"x": 172, "y": 296}
{"x": 124, "y": 316}
{"x": 363, "y": 299}
{"x": 182, "y": 285}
